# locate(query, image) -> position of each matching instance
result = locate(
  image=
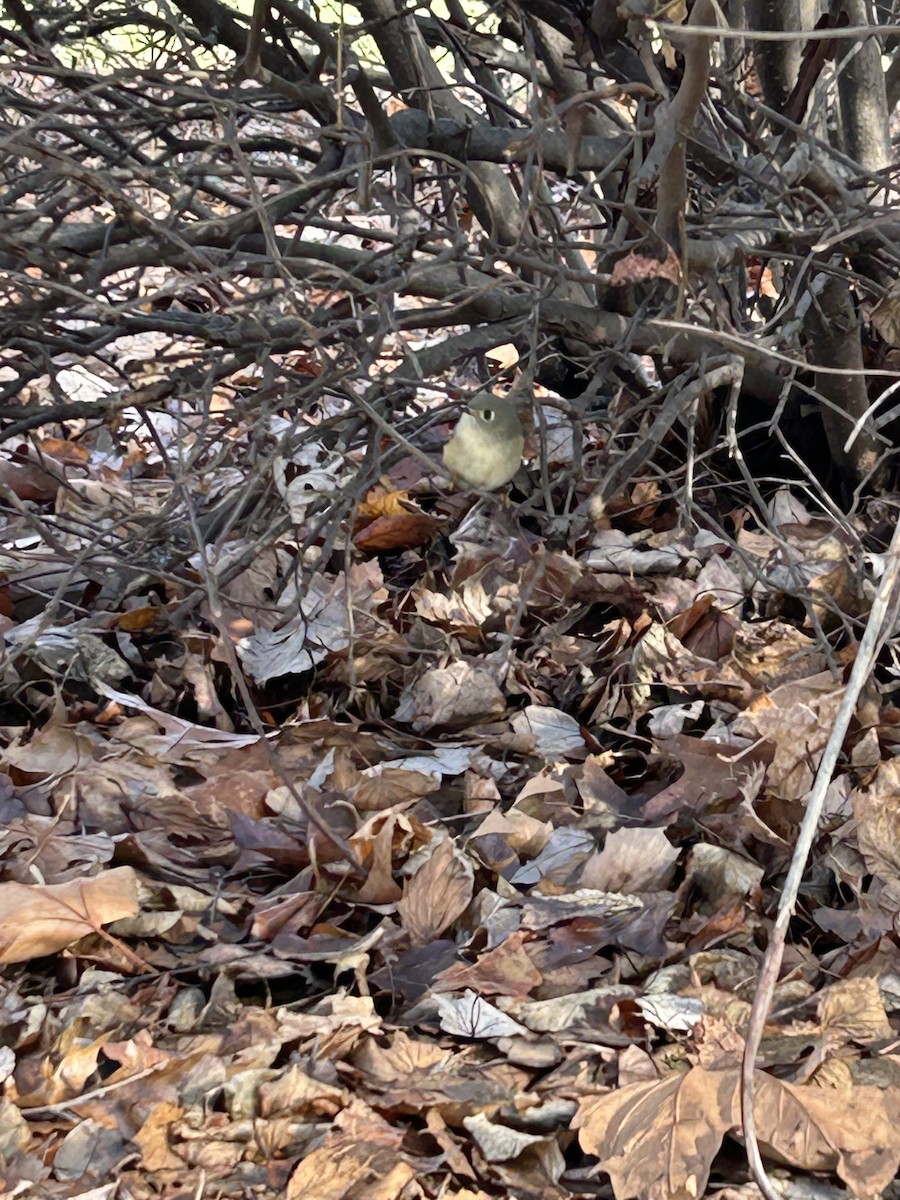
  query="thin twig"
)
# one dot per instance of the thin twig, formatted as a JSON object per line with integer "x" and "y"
{"x": 879, "y": 627}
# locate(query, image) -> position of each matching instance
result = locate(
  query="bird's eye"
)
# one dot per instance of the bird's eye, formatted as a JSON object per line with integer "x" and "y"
{"x": 487, "y": 414}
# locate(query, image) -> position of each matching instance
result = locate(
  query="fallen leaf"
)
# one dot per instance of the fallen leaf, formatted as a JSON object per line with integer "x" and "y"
{"x": 36, "y": 920}
{"x": 437, "y": 894}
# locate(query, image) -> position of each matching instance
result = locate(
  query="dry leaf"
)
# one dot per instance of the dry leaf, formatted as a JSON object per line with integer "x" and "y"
{"x": 437, "y": 894}
{"x": 36, "y": 920}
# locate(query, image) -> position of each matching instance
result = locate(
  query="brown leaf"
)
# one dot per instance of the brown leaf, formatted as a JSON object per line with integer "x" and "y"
{"x": 36, "y": 920}
{"x": 391, "y": 521}
{"x": 298, "y": 1093}
{"x": 137, "y": 620}
{"x": 153, "y": 1138}
{"x": 463, "y": 611}
{"x": 28, "y": 481}
{"x": 456, "y": 695}
{"x": 773, "y": 652}
{"x": 437, "y": 894}
{"x": 878, "y": 821}
{"x": 380, "y": 886}
{"x": 397, "y": 533}
{"x": 504, "y": 971}
{"x": 382, "y": 503}
{"x": 886, "y": 316}
{"x": 853, "y": 1009}
{"x": 390, "y": 787}
{"x": 64, "y": 451}
{"x": 660, "y": 1138}
{"x": 632, "y": 860}
{"x": 709, "y": 778}
{"x": 360, "y": 1157}
{"x": 852, "y": 1131}
{"x": 796, "y": 719}
{"x": 402, "y": 1057}
{"x": 55, "y": 749}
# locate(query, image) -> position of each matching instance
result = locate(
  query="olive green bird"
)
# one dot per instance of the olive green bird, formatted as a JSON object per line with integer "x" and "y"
{"x": 485, "y": 450}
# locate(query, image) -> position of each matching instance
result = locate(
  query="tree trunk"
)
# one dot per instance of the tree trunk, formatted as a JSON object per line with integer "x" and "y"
{"x": 863, "y": 97}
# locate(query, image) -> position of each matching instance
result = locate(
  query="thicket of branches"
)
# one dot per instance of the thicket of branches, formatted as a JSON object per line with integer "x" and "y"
{"x": 249, "y": 264}
{"x": 332, "y": 221}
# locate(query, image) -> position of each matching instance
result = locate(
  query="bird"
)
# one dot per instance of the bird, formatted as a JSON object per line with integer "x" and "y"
{"x": 485, "y": 450}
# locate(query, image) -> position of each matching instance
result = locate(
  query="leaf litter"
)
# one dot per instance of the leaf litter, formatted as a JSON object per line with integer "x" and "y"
{"x": 368, "y": 843}
{"x": 567, "y": 825}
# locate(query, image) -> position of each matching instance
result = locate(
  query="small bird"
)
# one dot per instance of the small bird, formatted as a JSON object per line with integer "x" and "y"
{"x": 485, "y": 450}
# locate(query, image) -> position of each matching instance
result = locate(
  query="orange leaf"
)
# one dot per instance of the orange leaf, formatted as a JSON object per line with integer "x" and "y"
{"x": 397, "y": 533}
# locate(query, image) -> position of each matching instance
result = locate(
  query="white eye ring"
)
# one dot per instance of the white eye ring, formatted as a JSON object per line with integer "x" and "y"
{"x": 487, "y": 414}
